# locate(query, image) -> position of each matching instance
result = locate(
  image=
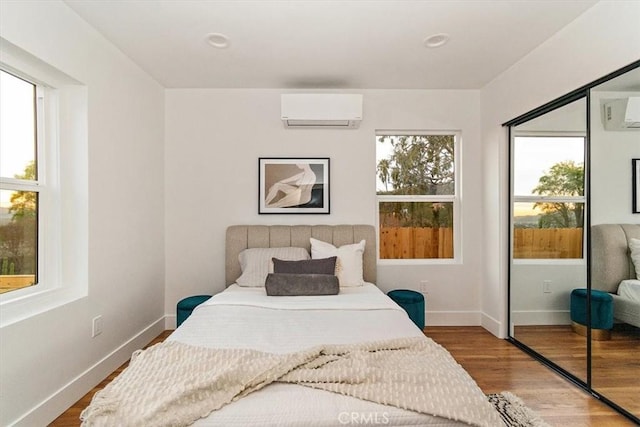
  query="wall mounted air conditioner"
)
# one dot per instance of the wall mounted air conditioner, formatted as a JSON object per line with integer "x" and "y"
{"x": 321, "y": 110}
{"x": 622, "y": 114}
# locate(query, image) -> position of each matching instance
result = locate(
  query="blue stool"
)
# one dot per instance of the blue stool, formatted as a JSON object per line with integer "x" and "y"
{"x": 601, "y": 313}
{"x": 412, "y": 302}
{"x": 186, "y": 306}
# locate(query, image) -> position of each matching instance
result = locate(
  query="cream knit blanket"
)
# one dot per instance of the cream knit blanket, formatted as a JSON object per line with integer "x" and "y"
{"x": 175, "y": 384}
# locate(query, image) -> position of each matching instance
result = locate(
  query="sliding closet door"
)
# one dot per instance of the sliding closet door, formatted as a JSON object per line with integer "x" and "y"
{"x": 548, "y": 257}
{"x": 615, "y": 362}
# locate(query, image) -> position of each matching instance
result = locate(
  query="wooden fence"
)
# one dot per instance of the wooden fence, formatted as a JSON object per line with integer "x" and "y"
{"x": 528, "y": 243}
{"x": 415, "y": 242}
{"x": 15, "y": 281}
{"x": 547, "y": 243}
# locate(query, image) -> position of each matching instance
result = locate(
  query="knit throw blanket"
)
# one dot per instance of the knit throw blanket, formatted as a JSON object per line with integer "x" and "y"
{"x": 174, "y": 384}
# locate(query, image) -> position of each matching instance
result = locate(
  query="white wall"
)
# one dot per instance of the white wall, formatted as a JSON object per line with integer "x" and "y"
{"x": 603, "y": 39}
{"x": 611, "y": 175}
{"x": 531, "y": 305}
{"x": 214, "y": 139}
{"x": 209, "y": 172}
{"x": 49, "y": 361}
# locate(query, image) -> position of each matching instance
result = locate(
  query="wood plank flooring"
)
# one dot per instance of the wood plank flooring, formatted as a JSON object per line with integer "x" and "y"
{"x": 496, "y": 365}
{"x": 615, "y": 365}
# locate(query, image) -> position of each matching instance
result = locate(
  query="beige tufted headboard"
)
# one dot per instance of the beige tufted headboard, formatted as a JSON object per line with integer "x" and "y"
{"x": 240, "y": 237}
{"x": 610, "y": 257}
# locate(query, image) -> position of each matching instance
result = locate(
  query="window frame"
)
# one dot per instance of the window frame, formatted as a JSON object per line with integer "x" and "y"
{"x": 547, "y": 199}
{"x": 455, "y": 199}
{"x": 46, "y": 149}
{"x": 63, "y": 272}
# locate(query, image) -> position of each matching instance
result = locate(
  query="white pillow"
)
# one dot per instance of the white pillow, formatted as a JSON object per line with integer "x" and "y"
{"x": 349, "y": 263}
{"x": 256, "y": 263}
{"x": 634, "y": 245}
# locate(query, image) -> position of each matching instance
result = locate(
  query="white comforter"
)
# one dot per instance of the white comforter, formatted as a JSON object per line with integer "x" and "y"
{"x": 247, "y": 318}
{"x": 630, "y": 289}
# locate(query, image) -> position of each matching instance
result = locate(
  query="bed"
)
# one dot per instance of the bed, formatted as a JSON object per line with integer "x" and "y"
{"x": 613, "y": 269}
{"x": 246, "y": 319}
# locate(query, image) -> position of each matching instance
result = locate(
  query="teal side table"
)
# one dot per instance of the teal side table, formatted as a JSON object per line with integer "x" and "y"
{"x": 185, "y": 307}
{"x": 412, "y": 302}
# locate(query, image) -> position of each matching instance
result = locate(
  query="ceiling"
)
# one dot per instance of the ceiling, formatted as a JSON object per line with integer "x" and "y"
{"x": 327, "y": 44}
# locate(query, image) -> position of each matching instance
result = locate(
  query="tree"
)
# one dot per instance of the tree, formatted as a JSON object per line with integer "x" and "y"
{"x": 563, "y": 179}
{"x": 418, "y": 165}
{"x": 18, "y": 238}
{"x": 23, "y": 203}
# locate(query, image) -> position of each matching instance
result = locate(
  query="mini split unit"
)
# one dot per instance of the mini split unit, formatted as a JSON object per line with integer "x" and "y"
{"x": 622, "y": 114}
{"x": 321, "y": 110}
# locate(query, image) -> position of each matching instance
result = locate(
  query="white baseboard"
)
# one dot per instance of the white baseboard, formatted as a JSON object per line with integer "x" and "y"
{"x": 540, "y": 317}
{"x": 50, "y": 408}
{"x": 170, "y": 322}
{"x": 492, "y": 325}
{"x": 452, "y": 318}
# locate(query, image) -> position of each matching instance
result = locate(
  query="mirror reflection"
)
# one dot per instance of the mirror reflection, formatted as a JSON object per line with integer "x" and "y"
{"x": 615, "y": 142}
{"x": 547, "y": 236}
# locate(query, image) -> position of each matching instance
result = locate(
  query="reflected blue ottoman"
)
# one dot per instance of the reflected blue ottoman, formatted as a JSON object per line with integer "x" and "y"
{"x": 601, "y": 313}
{"x": 412, "y": 302}
{"x": 186, "y": 306}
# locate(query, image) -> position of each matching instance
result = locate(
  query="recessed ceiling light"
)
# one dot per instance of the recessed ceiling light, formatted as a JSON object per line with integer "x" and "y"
{"x": 436, "y": 40}
{"x": 218, "y": 40}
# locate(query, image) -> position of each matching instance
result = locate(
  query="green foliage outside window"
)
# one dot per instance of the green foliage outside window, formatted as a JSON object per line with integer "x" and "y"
{"x": 418, "y": 165}
{"x": 563, "y": 179}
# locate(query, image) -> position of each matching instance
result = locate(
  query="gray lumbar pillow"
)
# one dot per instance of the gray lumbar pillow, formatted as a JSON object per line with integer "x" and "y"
{"x": 308, "y": 266}
{"x": 289, "y": 284}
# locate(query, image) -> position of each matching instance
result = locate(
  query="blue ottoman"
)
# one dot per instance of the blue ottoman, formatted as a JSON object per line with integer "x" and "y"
{"x": 601, "y": 313}
{"x": 186, "y": 306}
{"x": 412, "y": 302}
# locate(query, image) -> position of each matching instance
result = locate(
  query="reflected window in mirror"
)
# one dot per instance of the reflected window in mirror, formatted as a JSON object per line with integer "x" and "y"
{"x": 548, "y": 196}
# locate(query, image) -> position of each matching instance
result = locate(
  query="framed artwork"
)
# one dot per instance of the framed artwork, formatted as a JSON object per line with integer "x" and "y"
{"x": 636, "y": 185}
{"x": 290, "y": 185}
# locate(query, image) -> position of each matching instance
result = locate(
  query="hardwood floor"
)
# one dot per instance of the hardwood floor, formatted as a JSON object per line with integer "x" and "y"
{"x": 615, "y": 365}
{"x": 496, "y": 365}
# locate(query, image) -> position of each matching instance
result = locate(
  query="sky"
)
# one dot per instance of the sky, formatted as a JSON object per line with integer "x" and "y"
{"x": 534, "y": 156}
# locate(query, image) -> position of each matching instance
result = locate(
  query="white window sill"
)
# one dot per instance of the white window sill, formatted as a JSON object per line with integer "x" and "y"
{"x": 16, "y": 308}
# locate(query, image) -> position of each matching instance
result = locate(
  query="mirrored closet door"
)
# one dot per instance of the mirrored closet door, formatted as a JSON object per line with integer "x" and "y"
{"x": 615, "y": 362}
{"x": 547, "y": 233}
{"x": 571, "y": 220}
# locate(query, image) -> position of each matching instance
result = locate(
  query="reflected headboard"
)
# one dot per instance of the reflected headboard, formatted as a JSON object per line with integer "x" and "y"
{"x": 240, "y": 237}
{"x": 610, "y": 256}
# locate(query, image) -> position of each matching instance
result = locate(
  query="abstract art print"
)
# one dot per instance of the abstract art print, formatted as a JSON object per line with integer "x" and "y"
{"x": 289, "y": 185}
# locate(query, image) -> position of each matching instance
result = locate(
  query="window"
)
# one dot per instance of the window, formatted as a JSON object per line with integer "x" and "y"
{"x": 548, "y": 196}
{"x": 417, "y": 195}
{"x": 20, "y": 181}
{"x": 43, "y": 186}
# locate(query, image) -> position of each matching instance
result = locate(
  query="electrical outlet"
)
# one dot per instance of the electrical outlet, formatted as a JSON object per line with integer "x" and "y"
{"x": 96, "y": 328}
{"x": 546, "y": 286}
{"x": 424, "y": 285}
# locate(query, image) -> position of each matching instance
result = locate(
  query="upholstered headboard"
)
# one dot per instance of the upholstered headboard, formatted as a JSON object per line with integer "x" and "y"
{"x": 240, "y": 237}
{"x": 610, "y": 257}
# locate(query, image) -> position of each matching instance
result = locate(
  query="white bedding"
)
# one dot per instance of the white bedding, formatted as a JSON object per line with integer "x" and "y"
{"x": 630, "y": 289}
{"x": 248, "y": 318}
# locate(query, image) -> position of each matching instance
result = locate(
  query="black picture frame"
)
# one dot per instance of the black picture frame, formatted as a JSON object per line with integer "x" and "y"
{"x": 635, "y": 196}
{"x": 293, "y": 185}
